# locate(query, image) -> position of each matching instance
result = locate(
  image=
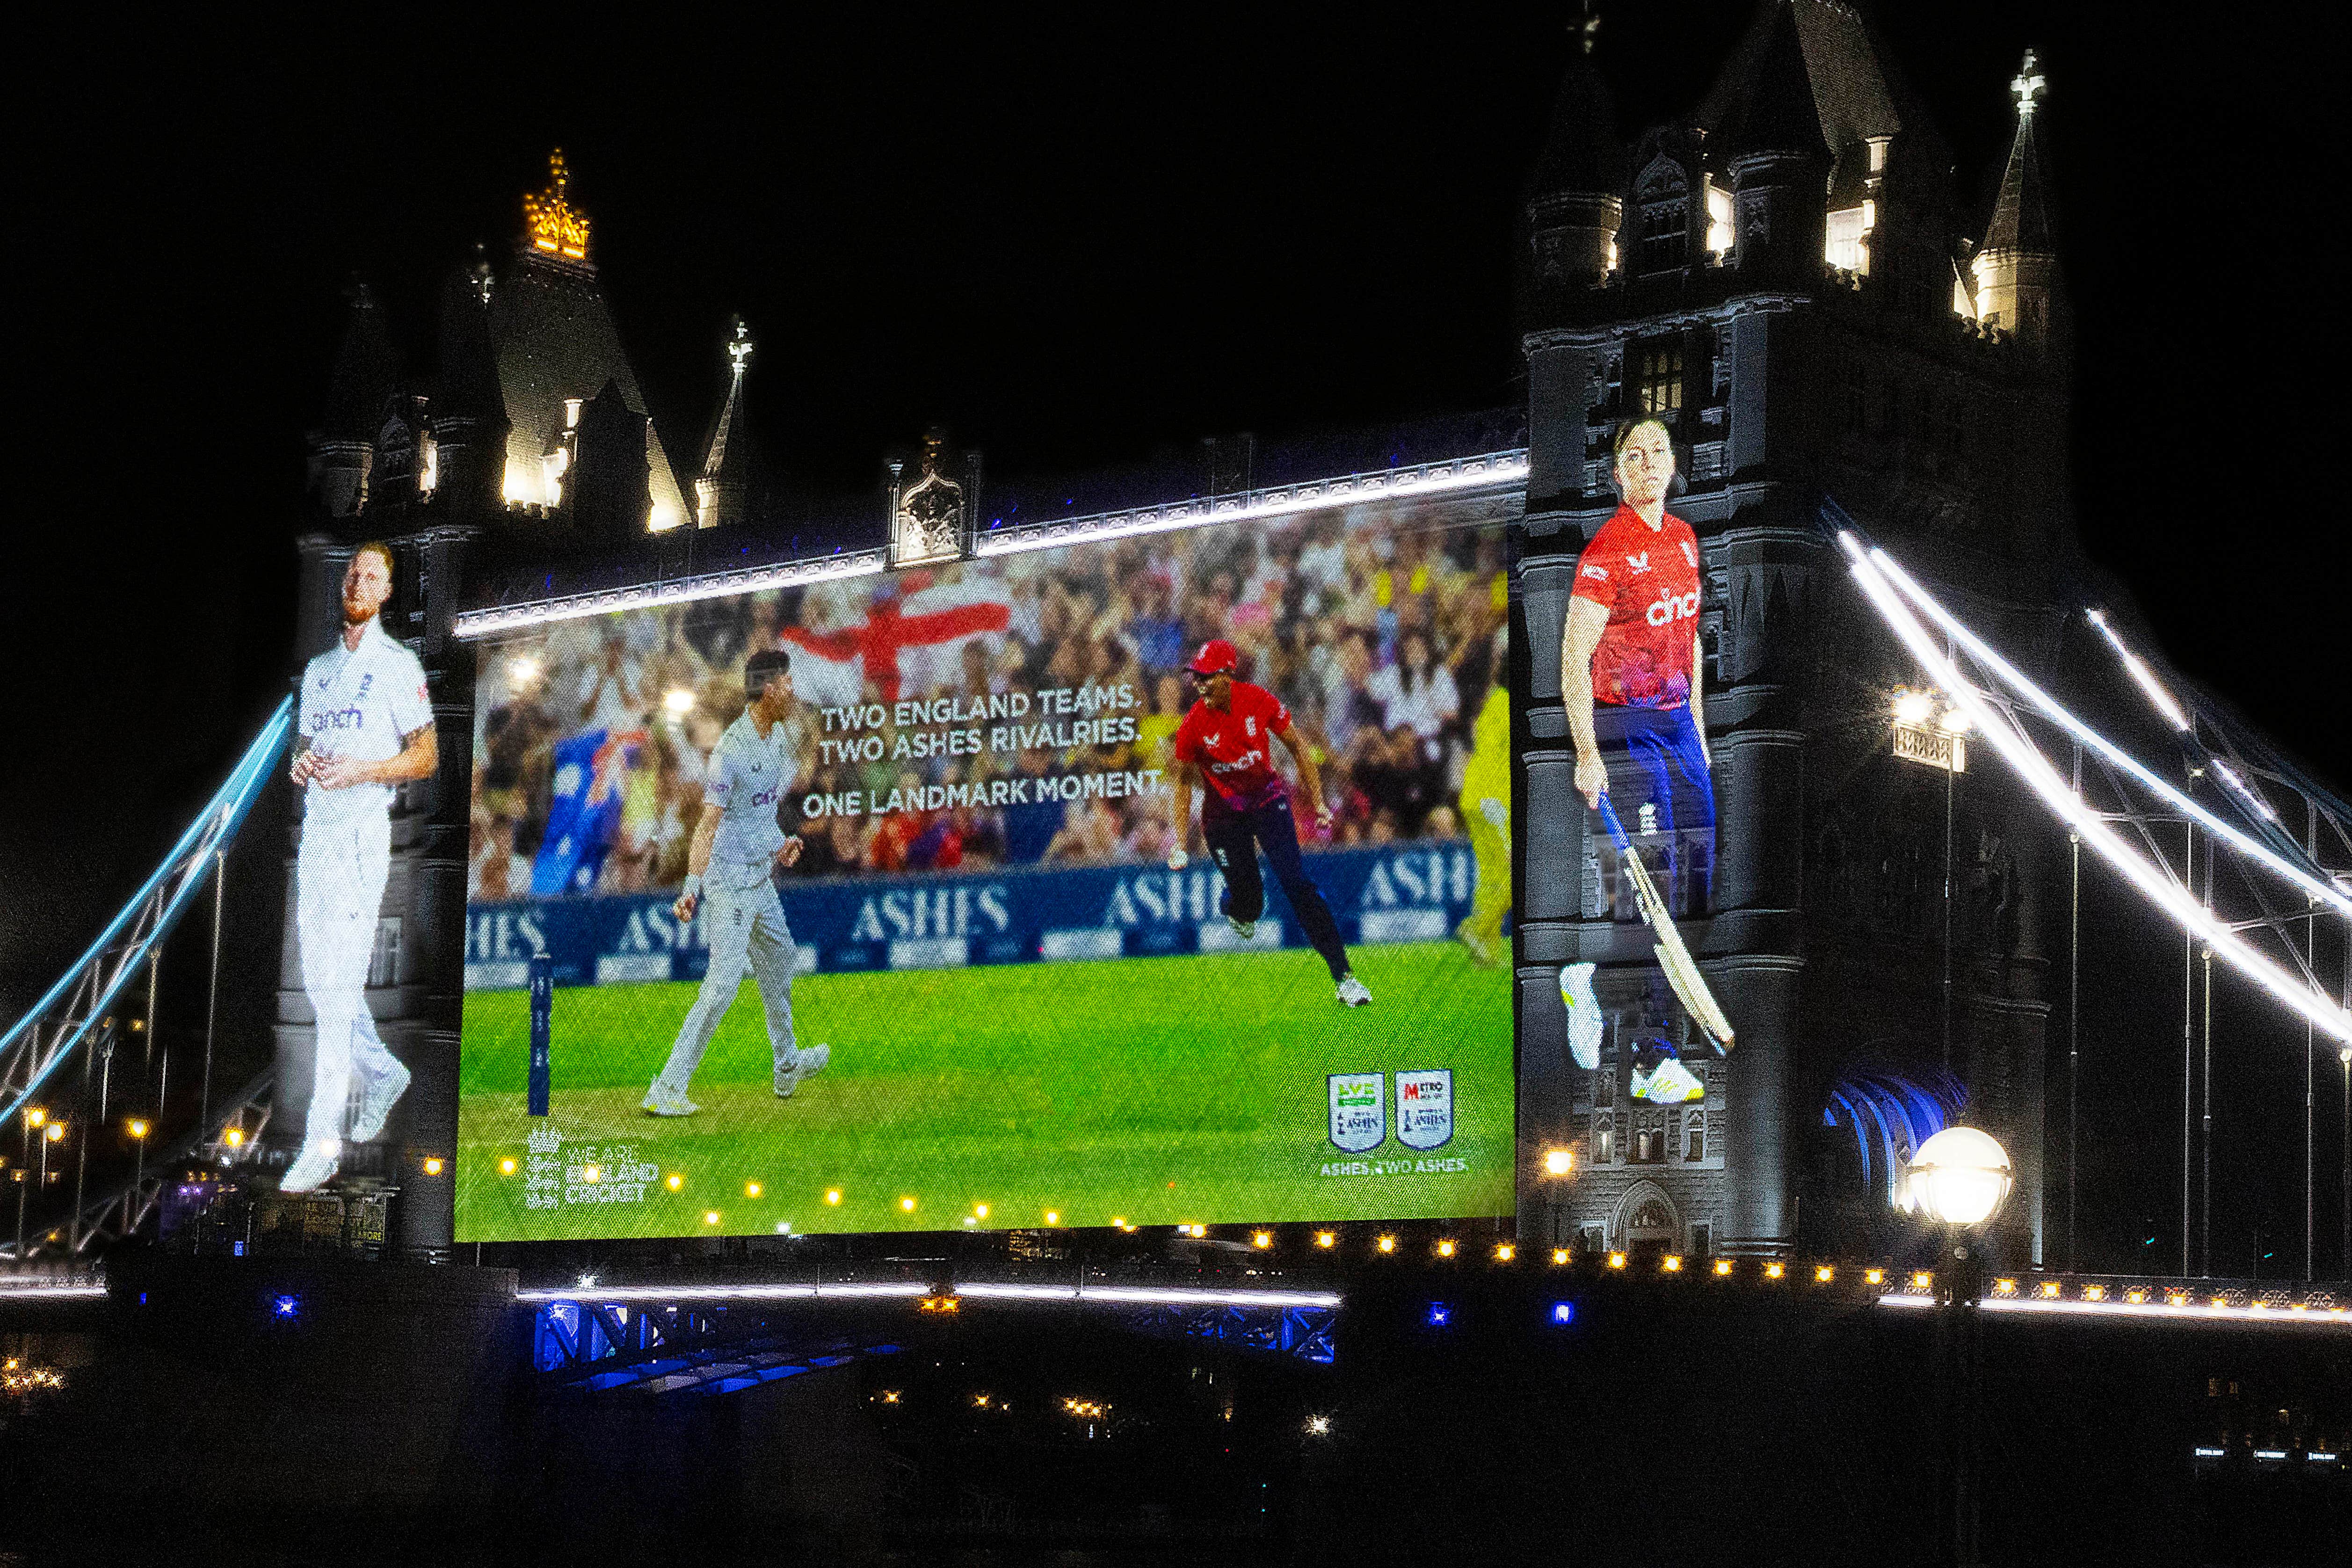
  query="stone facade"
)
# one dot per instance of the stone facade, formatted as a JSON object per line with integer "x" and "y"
{"x": 1721, "y": 308}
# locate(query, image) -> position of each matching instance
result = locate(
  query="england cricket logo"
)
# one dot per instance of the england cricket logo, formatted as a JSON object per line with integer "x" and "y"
{"x": 1425, "y": 1109}
{"x": 1359, "y": 1119}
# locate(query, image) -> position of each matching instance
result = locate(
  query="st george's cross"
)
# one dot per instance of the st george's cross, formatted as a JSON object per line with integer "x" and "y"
{"x": 906, "y": 641}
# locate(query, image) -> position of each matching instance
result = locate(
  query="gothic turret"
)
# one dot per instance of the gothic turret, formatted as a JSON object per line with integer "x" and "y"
{"x": 469, "y": 415}
{"x": 723, "y": 494}
{"x": 342, "y": 449}
{"x": 605, "y": 490}
{"x": 1575, "y": 199}
{"x": 2016, "y": 269}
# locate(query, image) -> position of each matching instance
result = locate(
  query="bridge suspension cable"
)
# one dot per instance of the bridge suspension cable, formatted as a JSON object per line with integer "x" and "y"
{"x": 74, "y": 1010}
{"x": 1998, "y": 714}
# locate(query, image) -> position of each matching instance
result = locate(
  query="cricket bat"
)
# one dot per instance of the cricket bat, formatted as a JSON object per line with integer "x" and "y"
{"x": 1682, "y": 974}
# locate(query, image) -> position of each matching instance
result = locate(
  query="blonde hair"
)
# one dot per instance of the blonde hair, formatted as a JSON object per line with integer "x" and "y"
{"x": 378, "y": 547}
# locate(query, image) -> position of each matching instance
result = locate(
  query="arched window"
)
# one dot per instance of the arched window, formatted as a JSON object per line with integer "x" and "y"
{"x": 1695, "y": 1136}
{"x": 1662, "y": 210}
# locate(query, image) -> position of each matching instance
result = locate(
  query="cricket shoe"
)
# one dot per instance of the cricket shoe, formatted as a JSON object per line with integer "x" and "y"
{"x": 312, "y": 1169}
{"x": 661, "y": 1101}
{"x": 1584, "y": 1023}
{"x": 382, "y": 1092}
{"x": 1482, "y": 952}
{"x": 807, "y": 1061}
{"x": 1241, "y": 928}
{"x": 1668, "y": 1083}
{"x": 1352, "y": 991}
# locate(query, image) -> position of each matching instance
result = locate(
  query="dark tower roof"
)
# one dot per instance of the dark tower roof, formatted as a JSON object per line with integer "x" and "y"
{"x": 2021, "y": 213}
{"x": 556, "y": 339}
{"x": 1582, "y": 152}
{"x": 466, "y": 385}
{"x": 364, "y": 371}
{"x": 1809, "y": 72}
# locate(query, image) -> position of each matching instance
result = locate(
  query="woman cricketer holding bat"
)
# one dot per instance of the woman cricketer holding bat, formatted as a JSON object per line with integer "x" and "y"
{"x": 1632, "y": 641}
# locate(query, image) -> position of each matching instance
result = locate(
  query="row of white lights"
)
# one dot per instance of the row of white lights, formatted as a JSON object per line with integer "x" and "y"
{"x": 2177, "y": 1312}
{"x": 1880, "y": 577}
{"x": 1422, "y": 479}
{"x": 684, "y": 590}
{"x": 2162, "y": 699}
{"x": 1122, "y": 1295}
{"x": 1425, "y": 479}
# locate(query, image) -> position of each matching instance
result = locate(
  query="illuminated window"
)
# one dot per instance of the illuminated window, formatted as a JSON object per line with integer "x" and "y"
{"x": 1718, "y": 218}
{"x": 1848, "y": 238}
{"x": 1666, "y": 235}
{"x": 1695, "y": 1137}
{"x": 1604, "y": 1142}
{"x": 1658, "y": 378}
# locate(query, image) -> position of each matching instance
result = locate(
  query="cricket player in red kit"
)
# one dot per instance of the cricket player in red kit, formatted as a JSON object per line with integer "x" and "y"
{"x": 1227, "y": 740}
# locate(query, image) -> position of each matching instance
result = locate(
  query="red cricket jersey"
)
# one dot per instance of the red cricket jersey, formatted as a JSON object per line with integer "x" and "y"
{"x": 1235, "y": 748}
{"x": 1647, "y": 579}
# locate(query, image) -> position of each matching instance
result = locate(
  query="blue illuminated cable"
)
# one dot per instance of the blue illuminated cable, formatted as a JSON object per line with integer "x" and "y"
{"x": 223, "y": 814}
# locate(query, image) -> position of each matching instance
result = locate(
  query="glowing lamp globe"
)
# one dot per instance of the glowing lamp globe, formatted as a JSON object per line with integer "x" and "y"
{"x": 1960, "y": 1176}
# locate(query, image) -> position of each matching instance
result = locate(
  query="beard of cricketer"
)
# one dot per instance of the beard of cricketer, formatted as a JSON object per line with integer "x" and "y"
{"x": 737, "y": 849}
{"x": 366, "y": 728}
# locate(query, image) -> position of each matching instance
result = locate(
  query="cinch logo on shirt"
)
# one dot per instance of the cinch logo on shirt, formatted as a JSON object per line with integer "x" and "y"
{"x": 1667, "y": 608}
{"x": 766, "y": 797}
{"x": 1246, "y": 760}
{"x": 342, "y": 719}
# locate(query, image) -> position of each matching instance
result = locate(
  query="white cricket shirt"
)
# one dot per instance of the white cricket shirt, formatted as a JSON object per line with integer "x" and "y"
{"x": 358, "y": 703}
{"x": 747, "y": 777}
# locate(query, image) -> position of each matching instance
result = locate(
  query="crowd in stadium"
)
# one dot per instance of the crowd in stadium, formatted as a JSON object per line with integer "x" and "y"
{"x": 1381, "y": 639}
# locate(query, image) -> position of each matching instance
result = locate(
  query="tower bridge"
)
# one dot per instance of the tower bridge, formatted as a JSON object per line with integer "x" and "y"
{"x": 1865, "y": 407}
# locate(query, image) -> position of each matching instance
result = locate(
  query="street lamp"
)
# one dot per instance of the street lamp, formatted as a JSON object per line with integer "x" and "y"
{"x": 1960, "y": 1176}
{"x": 137, "y": 1128}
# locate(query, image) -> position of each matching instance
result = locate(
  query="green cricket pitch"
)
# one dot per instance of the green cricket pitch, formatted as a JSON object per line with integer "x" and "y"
{"x": 1144, "y": 1090}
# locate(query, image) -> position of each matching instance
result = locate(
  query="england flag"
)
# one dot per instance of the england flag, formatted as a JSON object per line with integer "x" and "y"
{"x": 911, "y": 642}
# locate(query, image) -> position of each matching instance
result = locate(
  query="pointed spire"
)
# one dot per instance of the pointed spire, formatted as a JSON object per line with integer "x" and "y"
{"x": 467, "y": 383}
{"x": 2021, "y": 213}
{"x": 365, "y": 368}
{"x": 1581, "y": 153}
{"x": 1773, "y": 108}
{"x": 722, "y": 493}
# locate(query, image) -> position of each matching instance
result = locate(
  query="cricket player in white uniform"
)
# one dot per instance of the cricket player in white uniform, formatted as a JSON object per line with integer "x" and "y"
{"x": 737, "y": 849}
{"x": 367, "y": 727}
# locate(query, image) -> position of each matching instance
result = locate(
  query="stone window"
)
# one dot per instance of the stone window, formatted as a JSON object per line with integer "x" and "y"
{"x": 1666, "y": 232}
{"x": 1658, "y": 377}
{"x": 1695, "y": 1136}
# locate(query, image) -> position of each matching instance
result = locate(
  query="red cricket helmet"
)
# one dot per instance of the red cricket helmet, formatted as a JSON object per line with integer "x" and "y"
{"x": 1217, "y": 656}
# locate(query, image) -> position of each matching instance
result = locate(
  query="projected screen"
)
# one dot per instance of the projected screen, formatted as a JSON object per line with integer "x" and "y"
{"x": 950, "y": 959}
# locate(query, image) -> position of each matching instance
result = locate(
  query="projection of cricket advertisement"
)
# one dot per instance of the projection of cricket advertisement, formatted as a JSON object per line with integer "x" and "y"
{"x": 866, "y": 906}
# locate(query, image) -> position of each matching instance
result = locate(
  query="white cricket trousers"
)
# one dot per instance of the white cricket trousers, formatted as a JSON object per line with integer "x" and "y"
{"x": 339, "y": 876}
{"x": 746, "y": 929}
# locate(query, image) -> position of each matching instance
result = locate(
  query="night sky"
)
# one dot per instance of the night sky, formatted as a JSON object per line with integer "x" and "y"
{"x": 1076, "y": 240}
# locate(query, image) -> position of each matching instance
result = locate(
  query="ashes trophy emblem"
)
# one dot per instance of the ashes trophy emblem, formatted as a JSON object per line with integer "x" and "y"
{"x": 1359, "y": 1119}
{"x": 1425, "y": 1109}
